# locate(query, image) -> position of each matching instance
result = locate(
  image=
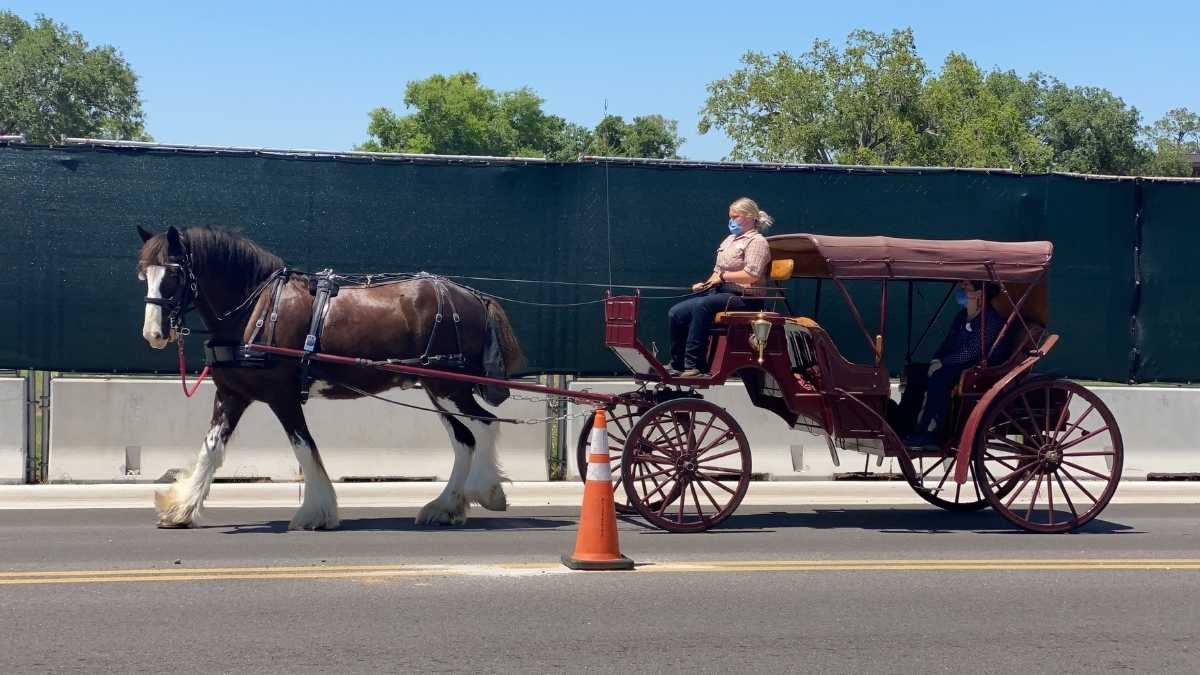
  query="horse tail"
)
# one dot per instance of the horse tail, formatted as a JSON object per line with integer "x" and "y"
{"x": 514, "y": 358}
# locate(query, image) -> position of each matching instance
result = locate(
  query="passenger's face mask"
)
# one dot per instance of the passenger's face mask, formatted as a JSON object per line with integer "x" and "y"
{"x": 960, "y": 296}
{"x": 734, "y": 227}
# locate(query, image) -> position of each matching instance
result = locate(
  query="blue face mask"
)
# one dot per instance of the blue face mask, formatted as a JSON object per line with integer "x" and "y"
{"x": 734, "y": 228}
{"x": 960, "y": 296}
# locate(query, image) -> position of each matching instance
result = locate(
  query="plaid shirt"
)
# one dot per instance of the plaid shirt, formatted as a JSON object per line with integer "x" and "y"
{"x": 748, "y": 252}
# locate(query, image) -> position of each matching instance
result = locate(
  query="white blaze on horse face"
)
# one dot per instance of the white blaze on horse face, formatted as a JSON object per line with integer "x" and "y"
{"x": 152, "y": 327}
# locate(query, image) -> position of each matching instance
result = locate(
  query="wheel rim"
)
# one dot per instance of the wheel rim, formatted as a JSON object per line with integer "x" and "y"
{"x": 1057, "y": 448}
{"x": 620, "y": 421}
{"x": 687, "y": 465}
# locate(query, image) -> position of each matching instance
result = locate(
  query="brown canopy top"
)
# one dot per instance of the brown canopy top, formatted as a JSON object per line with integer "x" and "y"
{"x": 820, "y": 255}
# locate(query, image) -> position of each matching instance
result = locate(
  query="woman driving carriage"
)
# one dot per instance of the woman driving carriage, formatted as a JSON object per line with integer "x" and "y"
{"x": 962, "y": 348}
{"x": 742, "y": 260}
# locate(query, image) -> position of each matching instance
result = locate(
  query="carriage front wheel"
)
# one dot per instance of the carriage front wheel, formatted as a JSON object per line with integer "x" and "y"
{"x": 686, "y": 465}
{"x": 1049, "y": 455}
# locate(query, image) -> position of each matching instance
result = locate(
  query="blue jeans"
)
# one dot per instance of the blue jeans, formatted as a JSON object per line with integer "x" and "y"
{"x": 691, "y": 320}
{"x": 937, "y": 400}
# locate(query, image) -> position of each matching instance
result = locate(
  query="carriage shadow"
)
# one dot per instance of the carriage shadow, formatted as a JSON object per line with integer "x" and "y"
{"x": 886, "y": 521}
{"x": 407, "y": 524}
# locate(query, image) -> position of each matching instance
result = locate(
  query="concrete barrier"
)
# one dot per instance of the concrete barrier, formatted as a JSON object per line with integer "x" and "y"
{"x": 1158, "y": 428}
{"x": 12, "y": 429}
{"x": 119, "y": 429}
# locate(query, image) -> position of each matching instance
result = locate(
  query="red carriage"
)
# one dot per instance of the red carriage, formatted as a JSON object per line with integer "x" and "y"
{"x": 1044, "y": 452}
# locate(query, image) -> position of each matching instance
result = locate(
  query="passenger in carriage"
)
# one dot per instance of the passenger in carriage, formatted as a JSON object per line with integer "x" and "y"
{"x": 743, "y": 258}
{"x": 961, "y": 350}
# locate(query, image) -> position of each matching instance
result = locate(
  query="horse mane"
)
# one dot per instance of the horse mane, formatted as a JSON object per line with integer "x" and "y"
{"x": 237, "y": 259}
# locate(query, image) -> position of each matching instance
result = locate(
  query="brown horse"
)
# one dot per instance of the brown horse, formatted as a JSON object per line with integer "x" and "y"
{"x": 234, "y": 284}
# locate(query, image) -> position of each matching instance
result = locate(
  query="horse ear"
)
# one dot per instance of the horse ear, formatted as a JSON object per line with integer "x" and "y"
{"x": 174, "y": 245}
{"x": 145, "y": 234}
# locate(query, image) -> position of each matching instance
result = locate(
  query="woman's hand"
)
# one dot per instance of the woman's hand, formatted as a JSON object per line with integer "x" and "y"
{"x": 696, "y": 288}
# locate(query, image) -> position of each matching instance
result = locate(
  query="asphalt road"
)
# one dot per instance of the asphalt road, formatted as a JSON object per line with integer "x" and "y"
{"x": 789, "y": 589}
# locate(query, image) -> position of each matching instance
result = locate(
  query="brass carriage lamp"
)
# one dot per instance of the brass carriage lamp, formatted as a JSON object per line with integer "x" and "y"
{"x": 761, "y": 331}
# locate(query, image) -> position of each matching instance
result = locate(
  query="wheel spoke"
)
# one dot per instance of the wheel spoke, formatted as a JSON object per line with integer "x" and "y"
{"x": 1017, "y": 424}
{"x": 704, "y": 433}
{"x": 667, "y": 438}
{"x": 1070, "y": 503}
{"x": 710, "y": 497}
{"x": 1079, "y": 485}
{"x": 1062, "y": 416}
{"x": 1011, "y": 445}
{"x": 718, "y": 456}
{"x": 1020, "y": 469}
{"x": 664, "y": 484}
{"x": 1029, "y": 411}
{"x": 727, "y": 435}
{"x": 1075, "y": 425}
{"x": 1086, "y": 470}
{"x": 1050, "y": 487}
{"x": 714, "y": 481}
{"x": 720, "y": 469}
{"x": 1019, "y": 490}
{"x": 1081, "y": 439}
{"x": 936, "y": 465}
{"x": 699, "y": 509}
{"x": 1089, "y": 454}
{"x": 1002, "y": 462}
{"x": 1033, "y": 500}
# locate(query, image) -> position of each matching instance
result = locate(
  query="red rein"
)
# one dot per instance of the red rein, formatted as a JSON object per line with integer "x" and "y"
{"x": 183, "y": 373}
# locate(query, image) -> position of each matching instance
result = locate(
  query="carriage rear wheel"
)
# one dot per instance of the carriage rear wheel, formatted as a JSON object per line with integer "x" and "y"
{"x": 686, "y": 465}
{"x": 1058, "y": 446}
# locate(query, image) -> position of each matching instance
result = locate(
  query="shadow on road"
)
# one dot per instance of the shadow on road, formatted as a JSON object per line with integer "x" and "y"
{"x": 401, "y": 524}
{"x": 885, "y": 520}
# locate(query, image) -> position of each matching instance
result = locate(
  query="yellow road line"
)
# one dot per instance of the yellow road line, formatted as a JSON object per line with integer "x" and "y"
{"x": 15, "y": 578}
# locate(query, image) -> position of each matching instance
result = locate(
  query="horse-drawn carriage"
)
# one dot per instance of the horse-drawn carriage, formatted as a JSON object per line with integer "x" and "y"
{"x": 1044, "y": 452}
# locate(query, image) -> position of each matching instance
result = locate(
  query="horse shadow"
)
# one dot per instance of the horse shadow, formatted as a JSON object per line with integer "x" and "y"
{"x": 885, "y": 521}
{"x": 402, "y": 524}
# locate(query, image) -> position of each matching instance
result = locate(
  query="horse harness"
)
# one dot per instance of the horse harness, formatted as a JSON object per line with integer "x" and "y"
{"x": 324, "y": 286}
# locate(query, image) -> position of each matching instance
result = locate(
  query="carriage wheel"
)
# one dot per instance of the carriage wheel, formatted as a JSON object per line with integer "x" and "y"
{"x": 936, "y": 473}
{"x": 1060, "y": 447}
{"x": 686, "y": 465}
{"x": 620, "y": 420}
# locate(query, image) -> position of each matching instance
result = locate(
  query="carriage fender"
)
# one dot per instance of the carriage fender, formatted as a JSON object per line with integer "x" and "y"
{"x": 966, "y": 442}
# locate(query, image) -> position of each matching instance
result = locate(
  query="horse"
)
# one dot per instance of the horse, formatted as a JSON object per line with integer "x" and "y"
{"x": 243, "y": 294}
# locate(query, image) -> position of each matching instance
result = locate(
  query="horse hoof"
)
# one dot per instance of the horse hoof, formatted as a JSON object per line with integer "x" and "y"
{"x": 432, "y": 514}
{"x": 494, "y": 500}
{"x": 163, "y": 525}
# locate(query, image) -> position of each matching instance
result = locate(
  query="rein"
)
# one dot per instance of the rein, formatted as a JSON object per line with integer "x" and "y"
{"x": 183, "y": 372}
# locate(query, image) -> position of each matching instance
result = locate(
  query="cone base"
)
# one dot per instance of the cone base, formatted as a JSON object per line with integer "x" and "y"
{"x": 621, "y": 563}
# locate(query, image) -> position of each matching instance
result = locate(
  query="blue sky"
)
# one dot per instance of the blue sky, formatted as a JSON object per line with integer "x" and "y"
{"x": 305, "y": 74}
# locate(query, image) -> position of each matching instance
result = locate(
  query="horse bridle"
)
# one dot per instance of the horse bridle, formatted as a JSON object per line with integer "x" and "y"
{"x": 183, "y": 300}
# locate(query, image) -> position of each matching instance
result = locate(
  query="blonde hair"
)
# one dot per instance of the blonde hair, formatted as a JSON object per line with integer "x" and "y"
{"x": 746, "y": 207}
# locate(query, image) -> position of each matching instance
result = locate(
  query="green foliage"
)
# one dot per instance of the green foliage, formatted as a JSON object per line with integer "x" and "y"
{"x": 1168, "y": 142}
{"x": 456, "y": 115}
{"x": 52, "y": 84}
{"x": 982, "y": 120}
{"x": 875, "y": 102}
{"x": 1089, "y": 130}
{"x": 650, "y": 136}
{"x": 857, "y": 106}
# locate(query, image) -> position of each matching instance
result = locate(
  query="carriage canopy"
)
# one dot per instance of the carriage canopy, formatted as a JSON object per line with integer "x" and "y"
{"x": 828, "y": 256}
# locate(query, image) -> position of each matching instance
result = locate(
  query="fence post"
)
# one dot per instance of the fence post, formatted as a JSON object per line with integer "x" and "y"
{"x": 557, "y": 452}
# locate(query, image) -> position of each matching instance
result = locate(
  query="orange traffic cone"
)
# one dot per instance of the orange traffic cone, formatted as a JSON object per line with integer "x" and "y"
{"x": 596, "y": 546}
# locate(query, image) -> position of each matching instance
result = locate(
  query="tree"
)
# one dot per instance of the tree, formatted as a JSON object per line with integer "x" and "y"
{"x": 457, "y": 115}
{"x": 649, "y": 136}
{"x": 983, "y": 120}
{"x": 1088, "y": 130}
{"x": 857, "y": 106}
{"x": 1169, "y": 140}
{"x": 52, "y": 84}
